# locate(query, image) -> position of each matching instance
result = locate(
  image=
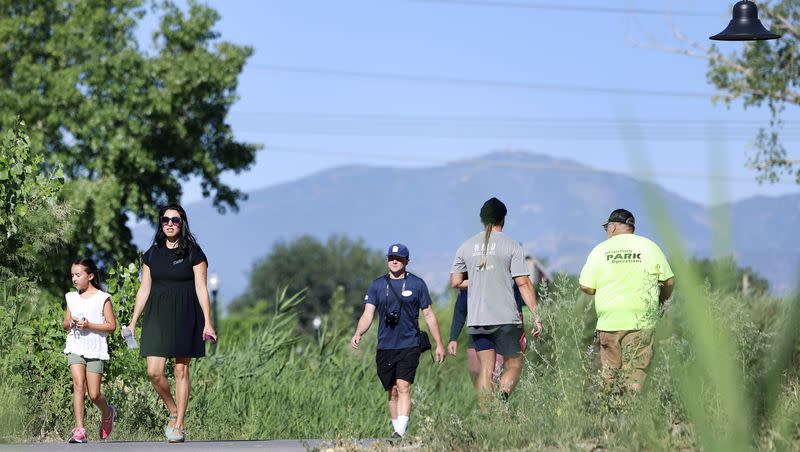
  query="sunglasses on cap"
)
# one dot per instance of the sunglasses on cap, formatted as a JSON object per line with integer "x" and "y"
{"x": 174, "y": 220}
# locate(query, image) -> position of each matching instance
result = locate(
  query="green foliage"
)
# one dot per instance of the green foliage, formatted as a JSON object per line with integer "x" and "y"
{"x": 31, "y": 220}
{"x": 23, "y": 182}
{"x": 127, "y": 125}
{"x": 266, "y": 381}
{"x": 31, "y": 346}
{"x": 319, "y": 268}
{"x": 765, "y": 72}
{"x": 723, "y": 376}
{"x": 253, "y": 318}
{"x": 560, "y": 403}
{"x": 125, "y": 382}
{"x": 11, "y": 423}
{"x": 725, "y": 275}
{"x": 733, "y": 374}
{"x": 32, "y": 223}
{"x": 274, "y": 383}
{"x": 33, "y": 362}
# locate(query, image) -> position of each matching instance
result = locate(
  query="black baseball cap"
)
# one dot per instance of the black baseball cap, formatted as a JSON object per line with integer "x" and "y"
{"x": 621, "y": 216}
{"x": 493, "y": 211}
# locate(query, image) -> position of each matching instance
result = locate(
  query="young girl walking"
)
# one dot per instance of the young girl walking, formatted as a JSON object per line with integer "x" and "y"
{"x": 88, "y": 319}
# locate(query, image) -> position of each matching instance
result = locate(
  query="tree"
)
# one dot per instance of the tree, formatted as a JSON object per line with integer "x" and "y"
{"x": 765, "y": 73}
{"x": 32, "y": 224}
{"x": 126, "y": 125}
{"x": 725, "y": 275}
{"x": 319, "y": 268}
{"x": 32, "y": 221}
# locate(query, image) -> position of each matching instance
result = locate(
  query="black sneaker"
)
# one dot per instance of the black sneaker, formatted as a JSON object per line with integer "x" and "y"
{"x": 396, "y": 435}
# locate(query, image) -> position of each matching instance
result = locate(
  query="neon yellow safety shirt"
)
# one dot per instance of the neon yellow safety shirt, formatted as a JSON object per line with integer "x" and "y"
{"x": 625, "y": 271}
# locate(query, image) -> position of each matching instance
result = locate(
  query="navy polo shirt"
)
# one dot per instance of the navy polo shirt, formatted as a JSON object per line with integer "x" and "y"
{"x": 414, "y": 297}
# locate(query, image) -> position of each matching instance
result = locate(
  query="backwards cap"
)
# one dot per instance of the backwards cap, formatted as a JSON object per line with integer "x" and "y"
{"x": 493, "y": 211}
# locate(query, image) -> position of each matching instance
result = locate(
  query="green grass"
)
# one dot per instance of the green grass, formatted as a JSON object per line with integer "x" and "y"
{"x": 11, "y": 423}
{"x": 715, "y": 352}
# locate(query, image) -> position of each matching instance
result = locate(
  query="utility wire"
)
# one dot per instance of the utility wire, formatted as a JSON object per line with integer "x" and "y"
{"x": 447, "y": 80}
{"x": 571, "y": 8}
{"x": 564, "y": 135}
{"x": 561, "y": 129}
{"x": 405, "y": 158}
{"x": 471, "y": 119}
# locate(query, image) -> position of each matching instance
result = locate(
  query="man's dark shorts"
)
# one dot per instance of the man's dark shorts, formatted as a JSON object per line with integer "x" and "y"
{"x": 400, "y": 364}
{"x": 504, "y": 339}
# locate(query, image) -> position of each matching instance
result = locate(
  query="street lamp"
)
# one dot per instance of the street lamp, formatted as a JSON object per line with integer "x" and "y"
{"x": 213, "y": 284}
{"x": 745, "y": 25}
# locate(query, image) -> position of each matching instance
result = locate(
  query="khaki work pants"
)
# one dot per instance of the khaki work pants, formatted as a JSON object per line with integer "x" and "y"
{"x": 625, "y": 355}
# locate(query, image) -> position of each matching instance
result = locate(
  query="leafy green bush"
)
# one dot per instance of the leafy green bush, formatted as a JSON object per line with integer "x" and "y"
{"x": 11, "y": 423}
{"x": 560, "y": 402}
{"x": 267, "y": 381}
{"x": 32, "y": 223}
{"x": 271, "y": 382}
{"x": 32, "y": 345}
{"x": 26, "y": 185}
{"x": 721, "y": 378}
{"x": 319, "y": 268}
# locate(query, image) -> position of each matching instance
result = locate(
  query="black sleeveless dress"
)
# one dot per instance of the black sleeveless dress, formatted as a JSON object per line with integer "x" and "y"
{"x": 173, "y": 322}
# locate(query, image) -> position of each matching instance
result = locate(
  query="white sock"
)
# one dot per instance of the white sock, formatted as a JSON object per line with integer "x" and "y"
{"x": 394, "y": 424}
{"x": 402, "y": 423}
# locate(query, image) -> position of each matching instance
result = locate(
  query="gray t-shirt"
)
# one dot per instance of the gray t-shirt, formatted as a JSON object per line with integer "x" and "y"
{"x": 490, "y": 297}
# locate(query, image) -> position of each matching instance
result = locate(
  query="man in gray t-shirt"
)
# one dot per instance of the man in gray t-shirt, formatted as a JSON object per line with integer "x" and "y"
{"x": 492, "y": 260}
{"x": 490, "y": 299}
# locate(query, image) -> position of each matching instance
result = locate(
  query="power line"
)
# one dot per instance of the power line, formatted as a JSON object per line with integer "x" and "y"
{"x": 405, "y": 158}
{"x": 542, "y": 135}
{"x": 560, "y": 129}
{"x": 571, "y": 8}
{"x": 499, "y": 119}
{"x": 558, "y": 136}
{"x": 447, "y": 80}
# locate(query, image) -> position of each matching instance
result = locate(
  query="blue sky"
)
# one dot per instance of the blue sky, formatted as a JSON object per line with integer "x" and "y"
{"x": 420, "y": 83}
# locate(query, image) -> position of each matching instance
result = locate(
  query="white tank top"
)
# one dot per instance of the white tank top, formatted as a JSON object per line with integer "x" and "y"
{"x": 89, "y": 344}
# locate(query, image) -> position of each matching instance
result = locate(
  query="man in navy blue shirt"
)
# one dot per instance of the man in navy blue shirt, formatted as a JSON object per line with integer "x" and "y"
{"x": 398, "y": 298}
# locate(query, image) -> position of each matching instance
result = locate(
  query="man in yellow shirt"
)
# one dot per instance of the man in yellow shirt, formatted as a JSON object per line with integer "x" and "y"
{"x": 630, "y": 279}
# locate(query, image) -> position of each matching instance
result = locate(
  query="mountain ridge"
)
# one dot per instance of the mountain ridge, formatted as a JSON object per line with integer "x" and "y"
{"x": 555, "y": 208}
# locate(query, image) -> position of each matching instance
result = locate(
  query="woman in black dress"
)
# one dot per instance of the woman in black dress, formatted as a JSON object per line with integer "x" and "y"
{"x": 174, "y": 300}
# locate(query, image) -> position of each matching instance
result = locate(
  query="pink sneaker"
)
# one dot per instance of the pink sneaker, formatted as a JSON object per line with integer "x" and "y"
{"x": 107, "y": 425}
{"x": 78, "y": 435}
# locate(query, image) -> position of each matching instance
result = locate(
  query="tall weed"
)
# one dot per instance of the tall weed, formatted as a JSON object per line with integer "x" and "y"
{"x": 267, "y": 380}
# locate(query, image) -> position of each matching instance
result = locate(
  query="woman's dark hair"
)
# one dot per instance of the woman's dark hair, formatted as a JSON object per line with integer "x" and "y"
{"x": 91, "y": 268}
{"x": 186, "y": 240}
{"x": 493, "y": 212}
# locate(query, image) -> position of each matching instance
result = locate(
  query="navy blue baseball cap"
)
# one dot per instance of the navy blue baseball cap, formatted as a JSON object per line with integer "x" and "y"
{"x": 397, "y": 249}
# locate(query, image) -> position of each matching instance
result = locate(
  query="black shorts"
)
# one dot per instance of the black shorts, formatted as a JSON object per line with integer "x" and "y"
{"x": 504, "y": 340}
{"x": 400, "y": 364}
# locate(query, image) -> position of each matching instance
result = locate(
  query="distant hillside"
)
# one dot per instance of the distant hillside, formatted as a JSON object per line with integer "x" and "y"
{"x": 556, "y": 213}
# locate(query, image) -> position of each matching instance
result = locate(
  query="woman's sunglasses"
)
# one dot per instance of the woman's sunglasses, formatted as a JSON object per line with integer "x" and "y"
{"x": 174, "y": 220}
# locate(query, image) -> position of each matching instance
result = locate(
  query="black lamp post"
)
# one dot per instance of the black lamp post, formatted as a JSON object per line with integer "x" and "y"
{"x": 745, "y": 25}
{"x": 213, "y": 284}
